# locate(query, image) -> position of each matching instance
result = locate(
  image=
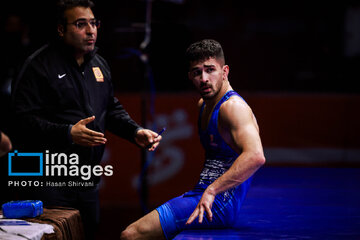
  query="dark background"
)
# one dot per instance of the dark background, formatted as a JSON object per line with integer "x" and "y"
{"x": 297, "y": 46}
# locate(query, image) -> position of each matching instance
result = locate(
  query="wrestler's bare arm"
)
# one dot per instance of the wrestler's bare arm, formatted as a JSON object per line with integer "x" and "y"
{"x": 239, "y": 129}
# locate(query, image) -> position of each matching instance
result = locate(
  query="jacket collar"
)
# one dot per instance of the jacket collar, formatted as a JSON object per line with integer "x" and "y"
{"x": 67, "y": 51}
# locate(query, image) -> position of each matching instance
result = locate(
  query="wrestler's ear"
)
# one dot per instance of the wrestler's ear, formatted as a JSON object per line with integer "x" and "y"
{"x": 60, "y": 30}
{"x": 226, "y": 70}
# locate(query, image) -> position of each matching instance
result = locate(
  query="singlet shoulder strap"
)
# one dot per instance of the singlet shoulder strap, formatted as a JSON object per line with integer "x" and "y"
{"x": 226, "y": 97}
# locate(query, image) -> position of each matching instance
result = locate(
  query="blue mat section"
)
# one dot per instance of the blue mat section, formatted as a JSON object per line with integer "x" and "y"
{"x": 296, "y": 203}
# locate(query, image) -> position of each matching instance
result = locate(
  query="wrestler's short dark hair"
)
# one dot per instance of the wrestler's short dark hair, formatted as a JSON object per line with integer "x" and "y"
{"x": 203, "y": 50}
{"x": 63, "y": 5}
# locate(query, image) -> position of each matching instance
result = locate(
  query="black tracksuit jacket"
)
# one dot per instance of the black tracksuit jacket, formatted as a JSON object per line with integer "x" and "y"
{"x": 52, "y": 92}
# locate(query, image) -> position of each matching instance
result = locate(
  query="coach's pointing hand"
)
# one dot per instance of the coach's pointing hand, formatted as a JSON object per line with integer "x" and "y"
{"x": 84, "y": 136}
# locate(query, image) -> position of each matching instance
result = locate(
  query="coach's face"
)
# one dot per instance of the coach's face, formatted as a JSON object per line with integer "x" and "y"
{"x": 80, "y": 31}
{"x": 208, "y": 76}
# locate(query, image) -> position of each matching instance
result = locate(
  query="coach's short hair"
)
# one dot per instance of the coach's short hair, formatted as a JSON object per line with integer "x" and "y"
{"x": 63, "y": 5}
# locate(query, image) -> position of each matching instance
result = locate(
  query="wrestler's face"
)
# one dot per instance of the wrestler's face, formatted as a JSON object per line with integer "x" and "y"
{"x": 208, "y": 76}
{"x": 80, "y": 32}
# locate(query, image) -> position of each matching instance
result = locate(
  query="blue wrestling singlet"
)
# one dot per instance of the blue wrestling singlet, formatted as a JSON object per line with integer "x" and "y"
{"x": 219, "y": 158}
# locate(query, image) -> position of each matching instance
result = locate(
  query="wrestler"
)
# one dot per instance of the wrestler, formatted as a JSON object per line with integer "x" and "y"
{"x": 229, "y": 134}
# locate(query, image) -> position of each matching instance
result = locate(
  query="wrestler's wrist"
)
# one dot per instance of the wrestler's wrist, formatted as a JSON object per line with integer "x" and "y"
{"x": 211, "y": 190}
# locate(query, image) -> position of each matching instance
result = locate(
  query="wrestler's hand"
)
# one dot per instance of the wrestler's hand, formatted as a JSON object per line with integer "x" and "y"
{"x": 204, "y": 204}
{"x": 147, "y": 139}
{"x": 84, "y": 136}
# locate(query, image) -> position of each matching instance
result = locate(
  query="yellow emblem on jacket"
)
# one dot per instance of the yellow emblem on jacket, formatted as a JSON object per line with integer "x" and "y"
{"x": 98, "y": 74}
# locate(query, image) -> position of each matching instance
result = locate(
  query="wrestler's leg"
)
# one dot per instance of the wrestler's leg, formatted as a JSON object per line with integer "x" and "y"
{"x": 147, "y": 227}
